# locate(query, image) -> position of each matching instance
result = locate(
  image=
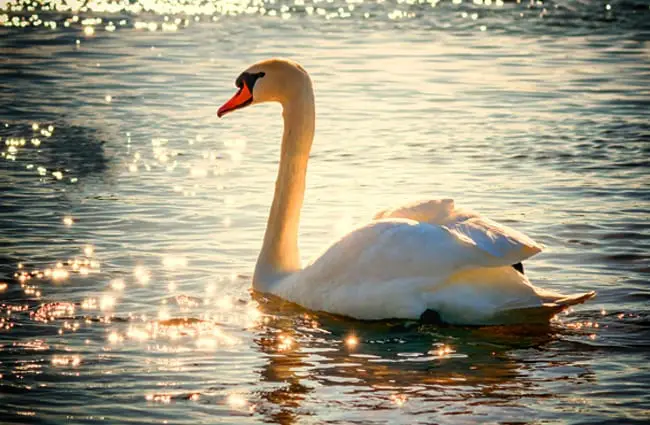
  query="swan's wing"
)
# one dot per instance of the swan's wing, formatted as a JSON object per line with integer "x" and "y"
{"x": 488, "y": 235}
{"x": 499, "y": 240}
{"x": 395, "y": 248}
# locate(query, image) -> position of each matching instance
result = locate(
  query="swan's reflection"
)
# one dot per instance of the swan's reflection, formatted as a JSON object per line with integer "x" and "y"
{"x": 280, "y": 340}
{"x": 419, "y": 369}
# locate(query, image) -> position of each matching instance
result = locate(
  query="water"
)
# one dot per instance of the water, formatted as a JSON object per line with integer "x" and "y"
{"x": 131, "y": 217}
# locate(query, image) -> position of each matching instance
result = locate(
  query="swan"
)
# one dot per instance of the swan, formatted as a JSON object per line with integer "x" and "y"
{"x": 427, "y": 260}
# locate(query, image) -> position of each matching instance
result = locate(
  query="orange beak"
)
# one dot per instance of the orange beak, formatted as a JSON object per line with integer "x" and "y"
{"x": 242, "y": 98}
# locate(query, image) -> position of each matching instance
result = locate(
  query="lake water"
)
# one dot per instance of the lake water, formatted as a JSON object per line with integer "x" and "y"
{"x": 131, "y": 217}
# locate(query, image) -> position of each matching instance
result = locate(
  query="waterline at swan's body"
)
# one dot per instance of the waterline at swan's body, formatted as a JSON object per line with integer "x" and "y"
{"x": 426, "y": 256}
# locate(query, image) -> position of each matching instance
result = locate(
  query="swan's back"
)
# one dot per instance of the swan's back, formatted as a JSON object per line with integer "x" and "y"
{"x": 488, "y": 235}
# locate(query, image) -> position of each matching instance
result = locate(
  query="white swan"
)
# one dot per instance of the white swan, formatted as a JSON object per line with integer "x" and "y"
{"x": 424, "y": 260}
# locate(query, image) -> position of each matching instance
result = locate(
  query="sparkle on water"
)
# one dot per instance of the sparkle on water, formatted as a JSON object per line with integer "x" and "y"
{"x": 133, "y": 217}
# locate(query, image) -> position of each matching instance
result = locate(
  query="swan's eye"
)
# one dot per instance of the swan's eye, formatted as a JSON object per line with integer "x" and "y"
{"x": 248, "y": 79}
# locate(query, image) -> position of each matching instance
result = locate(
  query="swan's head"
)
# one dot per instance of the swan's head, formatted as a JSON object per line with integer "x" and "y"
{"x": 272, "y": 80}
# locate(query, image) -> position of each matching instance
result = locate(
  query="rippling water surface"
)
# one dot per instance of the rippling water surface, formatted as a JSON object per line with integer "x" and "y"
{"x": 131, "y": 217}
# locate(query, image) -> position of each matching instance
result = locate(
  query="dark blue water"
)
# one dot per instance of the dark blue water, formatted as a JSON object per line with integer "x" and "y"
{"x": 131, "y": 218}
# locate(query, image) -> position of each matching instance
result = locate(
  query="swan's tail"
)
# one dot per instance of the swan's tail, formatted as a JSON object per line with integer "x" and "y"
{"x": 543, "y": 313}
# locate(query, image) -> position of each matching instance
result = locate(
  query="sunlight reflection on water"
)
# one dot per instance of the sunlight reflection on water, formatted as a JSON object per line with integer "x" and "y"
{"x": 132, "y": 218}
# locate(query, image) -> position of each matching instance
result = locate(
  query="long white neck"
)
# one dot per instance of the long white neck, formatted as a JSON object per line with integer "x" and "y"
{"x": 279, "y": 255}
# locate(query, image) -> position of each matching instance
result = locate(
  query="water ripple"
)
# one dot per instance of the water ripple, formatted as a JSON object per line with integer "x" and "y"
{"x": 131, "y": 218}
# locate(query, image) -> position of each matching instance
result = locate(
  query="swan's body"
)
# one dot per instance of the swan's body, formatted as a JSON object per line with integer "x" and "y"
{"x": 426, "y": 256}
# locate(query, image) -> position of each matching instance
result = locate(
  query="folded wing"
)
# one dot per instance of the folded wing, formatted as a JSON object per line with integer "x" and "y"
{"x": 489, "y": 236}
